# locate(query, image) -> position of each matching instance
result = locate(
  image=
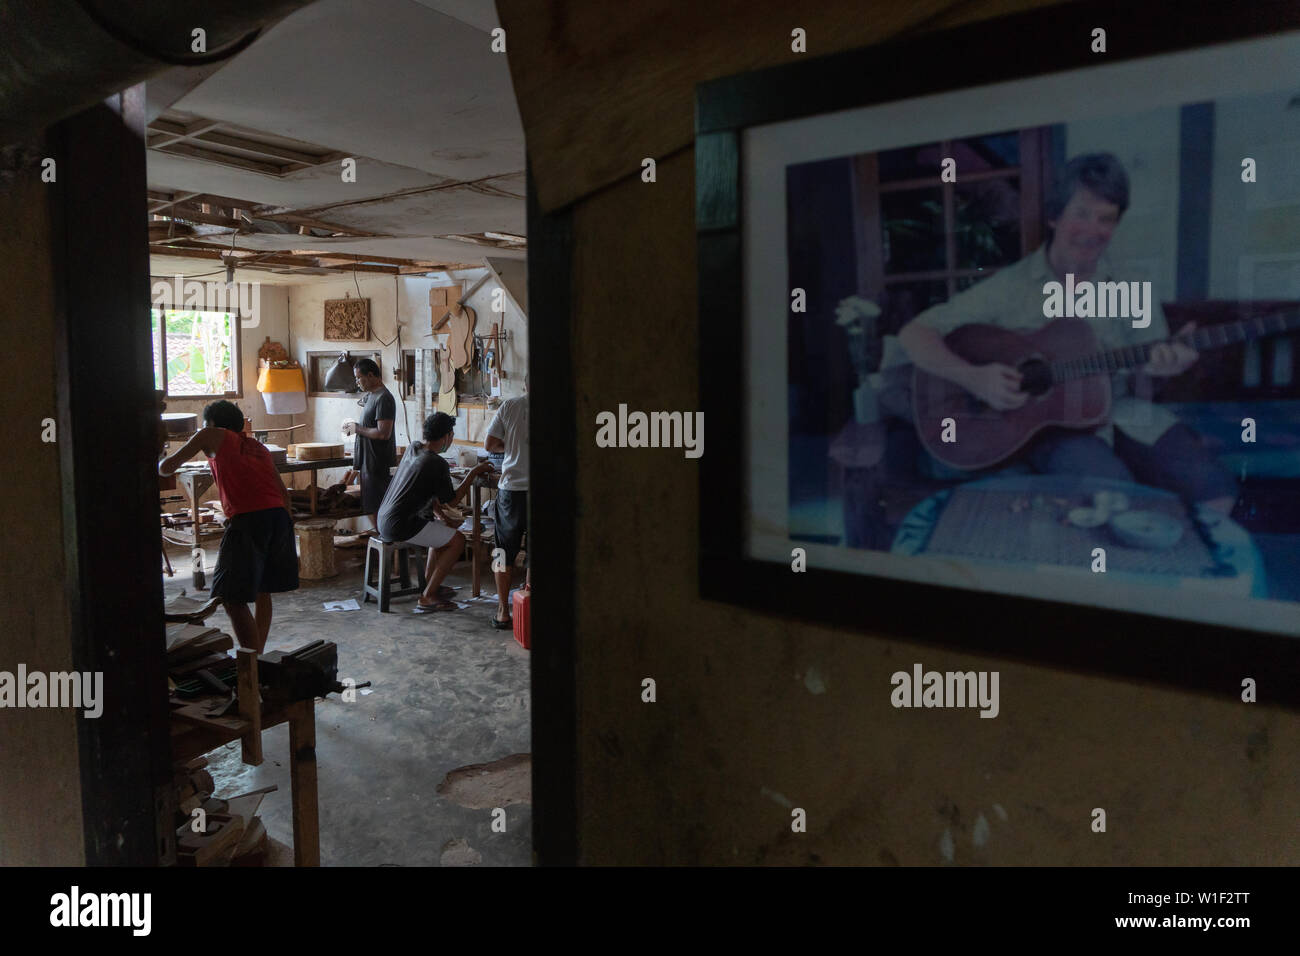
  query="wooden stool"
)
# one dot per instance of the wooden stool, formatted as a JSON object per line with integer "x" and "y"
{"x": 383, "y": 551}
{"x": 316, "y": 548}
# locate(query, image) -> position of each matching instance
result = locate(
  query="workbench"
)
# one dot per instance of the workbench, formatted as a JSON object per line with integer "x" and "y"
{"x": 196, "y": 478}
{"x": 195, "y": 732}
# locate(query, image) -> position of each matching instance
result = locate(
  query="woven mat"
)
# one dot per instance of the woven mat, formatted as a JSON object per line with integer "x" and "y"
{"x": 983, "y": 525}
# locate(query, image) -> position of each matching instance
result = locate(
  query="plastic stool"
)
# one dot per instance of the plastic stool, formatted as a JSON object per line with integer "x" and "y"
{"x": 382, "y": 554}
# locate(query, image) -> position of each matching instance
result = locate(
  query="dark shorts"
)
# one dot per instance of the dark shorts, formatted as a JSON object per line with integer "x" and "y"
{"x": 258, "y": 555}
{"x": 510, "y": 513}
{"x": 374, "y": 485}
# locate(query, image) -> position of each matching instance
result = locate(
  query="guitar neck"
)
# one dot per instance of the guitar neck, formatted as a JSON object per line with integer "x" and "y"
{"x": 1211, "y": 337}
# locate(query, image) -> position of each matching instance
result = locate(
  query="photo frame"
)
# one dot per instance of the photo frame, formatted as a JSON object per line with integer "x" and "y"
{"x": 846, "y": 198}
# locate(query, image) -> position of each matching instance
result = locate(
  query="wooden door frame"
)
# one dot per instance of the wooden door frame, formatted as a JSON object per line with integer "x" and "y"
{"x": 107, "y": 438}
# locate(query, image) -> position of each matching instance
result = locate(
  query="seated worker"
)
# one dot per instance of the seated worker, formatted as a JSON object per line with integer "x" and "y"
{"x": 1141, "y": 442}
{"x": 258, "y": 554}
{"x": 508, "y": 433}
{"x": 423, "y": 481}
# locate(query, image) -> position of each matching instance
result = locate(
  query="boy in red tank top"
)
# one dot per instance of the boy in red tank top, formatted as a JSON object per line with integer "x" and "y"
{"x": 258, "y": 555}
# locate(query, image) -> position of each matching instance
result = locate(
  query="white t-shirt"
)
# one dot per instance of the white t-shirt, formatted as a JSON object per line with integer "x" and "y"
{"x": 510, "y": 424}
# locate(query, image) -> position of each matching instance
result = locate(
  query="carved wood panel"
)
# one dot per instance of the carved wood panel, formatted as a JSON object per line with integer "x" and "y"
{"x": 347, "y": 320}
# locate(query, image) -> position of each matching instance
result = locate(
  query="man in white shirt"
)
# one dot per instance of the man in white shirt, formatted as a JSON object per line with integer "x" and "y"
{"x": 1142, "y": 442}
{"x": 508, "y": 433}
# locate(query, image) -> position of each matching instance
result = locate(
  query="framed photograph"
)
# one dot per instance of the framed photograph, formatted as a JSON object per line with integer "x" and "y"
{"x": 1000, "y": 341}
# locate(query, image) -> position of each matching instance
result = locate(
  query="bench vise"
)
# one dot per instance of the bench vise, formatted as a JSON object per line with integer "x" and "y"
{"x": 305, "y": 674}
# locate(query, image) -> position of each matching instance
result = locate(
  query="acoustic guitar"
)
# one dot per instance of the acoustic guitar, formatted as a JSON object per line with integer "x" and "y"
{"x": 1066, "y": 375}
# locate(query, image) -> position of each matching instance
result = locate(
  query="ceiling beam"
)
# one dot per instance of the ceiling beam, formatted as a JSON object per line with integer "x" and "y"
{"x": 264, "y": 149}
{"x": 276, "y": 258}
{"x": 224, "y": 159}
{"x": 194, "y": 215}
{"x": 297, "y": 220}
{"x": 324, "y": 254}
{"x": 168, "y": 133}
{"x": 172, "y": 199}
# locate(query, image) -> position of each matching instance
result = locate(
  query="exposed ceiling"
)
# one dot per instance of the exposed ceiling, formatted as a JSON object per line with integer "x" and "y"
{"x": 409, "y": 89}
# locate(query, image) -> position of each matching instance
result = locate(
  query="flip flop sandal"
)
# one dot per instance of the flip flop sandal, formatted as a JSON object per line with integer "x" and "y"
{"x": 506, "y": 625}
{"x": 431, "y": 608}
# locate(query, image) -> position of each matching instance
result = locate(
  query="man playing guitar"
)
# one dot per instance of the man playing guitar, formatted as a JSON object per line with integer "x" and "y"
{"x": 1141, "y": 442}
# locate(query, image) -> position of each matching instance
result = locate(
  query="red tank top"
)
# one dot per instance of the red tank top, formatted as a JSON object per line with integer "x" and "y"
{"x": 246, "y": 476}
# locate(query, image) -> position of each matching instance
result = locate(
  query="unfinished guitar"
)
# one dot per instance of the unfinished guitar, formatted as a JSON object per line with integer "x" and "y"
{"x": 1066, "y": 375}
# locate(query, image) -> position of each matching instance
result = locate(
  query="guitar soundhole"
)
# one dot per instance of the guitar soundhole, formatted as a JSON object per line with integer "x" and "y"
{"x": 1035, "y": 376}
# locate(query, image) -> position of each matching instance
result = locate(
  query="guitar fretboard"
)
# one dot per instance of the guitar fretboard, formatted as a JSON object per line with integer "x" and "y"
{"x": 1211, "y": 337}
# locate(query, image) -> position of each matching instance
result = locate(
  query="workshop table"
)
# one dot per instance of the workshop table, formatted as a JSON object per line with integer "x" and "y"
{"x": 195, "y": 480}
{"x": 195, "y": 732}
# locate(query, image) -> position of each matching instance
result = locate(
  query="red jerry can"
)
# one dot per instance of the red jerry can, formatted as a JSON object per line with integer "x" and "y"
{"x": 520, "y": 602}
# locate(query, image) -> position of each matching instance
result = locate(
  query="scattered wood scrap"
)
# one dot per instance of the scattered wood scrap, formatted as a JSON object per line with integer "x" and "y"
{"x": 211, "y": 831}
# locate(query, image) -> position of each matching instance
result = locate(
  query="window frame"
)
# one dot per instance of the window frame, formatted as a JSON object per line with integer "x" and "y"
{"x": 236, "y": 355}
{"x": 1032, "y": 172}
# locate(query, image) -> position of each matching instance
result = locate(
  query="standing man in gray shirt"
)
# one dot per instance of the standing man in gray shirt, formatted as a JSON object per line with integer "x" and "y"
{"x": 508, "y": 433}
{"x": 375, "y": 449}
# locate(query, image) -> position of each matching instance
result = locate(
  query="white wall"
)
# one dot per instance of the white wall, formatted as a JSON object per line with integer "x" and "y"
{"x": 1147, "y": 144}
{"x": 1255, "y": 227}
{"x": 401, "y": 302}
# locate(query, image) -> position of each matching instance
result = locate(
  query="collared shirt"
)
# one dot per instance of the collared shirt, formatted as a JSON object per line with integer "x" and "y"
{"x": 1012, "y": 298}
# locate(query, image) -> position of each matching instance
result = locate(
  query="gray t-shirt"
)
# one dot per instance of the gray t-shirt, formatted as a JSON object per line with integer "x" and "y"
{"x": 374, "y": 456}
{"x": 510, "y": 424}
{"x": 422, "y": 476}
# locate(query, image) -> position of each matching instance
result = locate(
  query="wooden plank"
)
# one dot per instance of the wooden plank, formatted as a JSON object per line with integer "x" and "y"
{"x": 300, "y": 220}
{"x": 198, "y": 715}
{"x": 181, "y": 635}
{"x": 224, "y": 159}
{"x": 302, "y": 777}
{"x": 581, "y": 137}
{"x": 250, "y": 707}
{"x": 505, "y": 288}
{"x": 265, "y": 149}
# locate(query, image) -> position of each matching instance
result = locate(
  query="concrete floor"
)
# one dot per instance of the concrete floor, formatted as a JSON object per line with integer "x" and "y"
{"x": 447, "y": 691}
